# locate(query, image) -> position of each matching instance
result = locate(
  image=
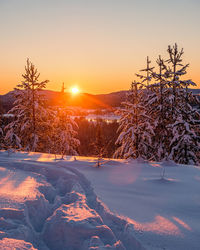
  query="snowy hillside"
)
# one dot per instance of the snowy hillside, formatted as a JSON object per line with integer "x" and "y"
{"x": 48, "y": 204}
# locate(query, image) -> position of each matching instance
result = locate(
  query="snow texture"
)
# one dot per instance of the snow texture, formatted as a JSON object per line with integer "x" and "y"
{"x": 44, "y": 205}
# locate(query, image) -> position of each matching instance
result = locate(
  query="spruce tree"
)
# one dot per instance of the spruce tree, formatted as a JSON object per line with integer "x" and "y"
{"x": 158, "y": 109}
{"x": 185, "y": 143}
{"x": 184, "y": 146}
{"x": 29, "y": 110}
{"x": 1, "y": 134}
{"x": 63, "y": 137}
{"x": 12, "y": 141}
{"x": 1, "y": 127}
{"x": 135, "y": 130}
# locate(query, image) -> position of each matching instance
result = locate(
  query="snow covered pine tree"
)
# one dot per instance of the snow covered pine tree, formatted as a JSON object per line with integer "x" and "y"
{"x": 135, "y": 138}
{"x": 159, "y": 109}
{"x": 63, "y": 137}
{"x": 185, "y": 125}
{"x": 25, "y": 131}
{"x": 1, "y": 133}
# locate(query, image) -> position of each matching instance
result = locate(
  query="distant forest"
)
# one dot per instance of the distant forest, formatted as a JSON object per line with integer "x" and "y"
{"x": 92, "y": 136}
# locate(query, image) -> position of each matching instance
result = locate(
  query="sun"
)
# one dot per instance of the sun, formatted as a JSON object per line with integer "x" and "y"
{"x": 75, "y": 90}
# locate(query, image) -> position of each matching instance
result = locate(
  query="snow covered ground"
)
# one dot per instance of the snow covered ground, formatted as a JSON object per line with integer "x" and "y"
{"x": 43, "y": 200}
{"x": 44, "y": 205}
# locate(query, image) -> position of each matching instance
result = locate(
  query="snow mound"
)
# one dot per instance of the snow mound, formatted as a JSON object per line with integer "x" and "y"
{"x": 62, "y": 212}
{"x": 78, "y": 223}
{"x": 8, "y": 244}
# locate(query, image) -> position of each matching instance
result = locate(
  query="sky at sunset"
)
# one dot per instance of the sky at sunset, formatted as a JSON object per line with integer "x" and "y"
{"x": 97, "y": 45}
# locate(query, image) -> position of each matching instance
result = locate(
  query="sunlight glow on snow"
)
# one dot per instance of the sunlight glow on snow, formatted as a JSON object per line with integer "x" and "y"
{"x": 17, "y": 187}
{"x": 42, "y": 157}
{"x": 182, "y": 223}
{"x": 160, "y": 225}
{"x": 79, "y": 212}
{"x": 120, "y": 176}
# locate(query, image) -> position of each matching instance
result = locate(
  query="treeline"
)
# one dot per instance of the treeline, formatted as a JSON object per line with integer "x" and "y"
{"x": 96, "y": 138}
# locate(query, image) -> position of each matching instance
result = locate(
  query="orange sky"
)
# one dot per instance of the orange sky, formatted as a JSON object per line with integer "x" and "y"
{"x": 96, "y": 45}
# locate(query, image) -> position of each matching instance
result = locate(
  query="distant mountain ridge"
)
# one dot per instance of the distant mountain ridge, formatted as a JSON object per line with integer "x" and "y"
{"x": 84, "y": 100}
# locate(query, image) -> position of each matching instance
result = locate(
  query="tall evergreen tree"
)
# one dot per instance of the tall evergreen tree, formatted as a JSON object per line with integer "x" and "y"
{"x": 184, "y": 146}
{"x": 29, "y": 110}
{"x": 136, "y": 132}
{"x": 158, "y": 108}
{"x": 1, "y": 126}
{"x": 1, "y": 134}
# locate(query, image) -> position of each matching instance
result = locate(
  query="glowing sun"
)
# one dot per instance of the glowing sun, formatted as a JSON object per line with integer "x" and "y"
{"x": 75, "y": 90}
